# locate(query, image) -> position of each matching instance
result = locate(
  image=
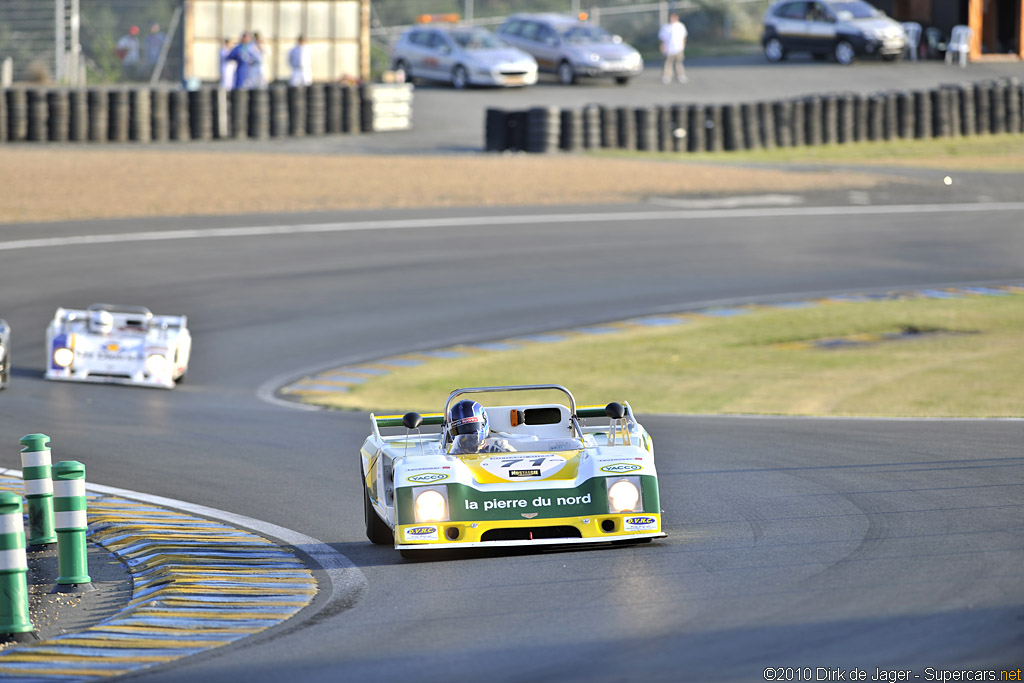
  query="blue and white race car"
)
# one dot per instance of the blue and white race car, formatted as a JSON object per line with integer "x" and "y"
{"x": 508, "y": 475}
{"x": 119, "y": 345}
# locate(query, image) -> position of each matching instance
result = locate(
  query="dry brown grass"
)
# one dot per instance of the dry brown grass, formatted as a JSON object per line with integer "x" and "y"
{"x": 56, "y": 184}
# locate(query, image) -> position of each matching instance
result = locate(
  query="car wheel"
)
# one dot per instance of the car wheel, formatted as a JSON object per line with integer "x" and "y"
{"x": 566, "y": 74}
{"x": 376, "y": 530}
{"x": 460, "y": 77}
{"x": 403, "y": 66}
{"x": 774, "y": 51}
{"x": 844, "y": 52}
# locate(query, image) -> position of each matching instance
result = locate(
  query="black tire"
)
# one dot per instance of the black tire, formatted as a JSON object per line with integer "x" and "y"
{"x": 622, "y": 80}
{"x": 566, "y": 74}
{"x": 376, "y": 530}
{"x": 774, "y": 50}
{"x": 403, "y": 66}
{"x": 844, "y": 52}
{"x": 460, "y": 77}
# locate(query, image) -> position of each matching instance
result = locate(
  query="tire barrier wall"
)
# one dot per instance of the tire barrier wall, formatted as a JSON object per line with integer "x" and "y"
{"x": 991, "y": 107}
{"x": 143, "y": 115}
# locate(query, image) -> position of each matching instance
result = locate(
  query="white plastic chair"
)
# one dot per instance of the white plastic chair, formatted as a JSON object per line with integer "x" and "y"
{"x": 913, "y": 31}
{"x": 959, "y": 44}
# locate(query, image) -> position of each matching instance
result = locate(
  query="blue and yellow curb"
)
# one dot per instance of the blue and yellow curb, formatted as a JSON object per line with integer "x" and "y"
{"x": 198, "y": 584}
{"x": 339, "y": 379}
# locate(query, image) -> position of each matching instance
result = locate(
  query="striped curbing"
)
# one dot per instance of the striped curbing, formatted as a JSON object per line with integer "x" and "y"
{"x": 198, "y": 584}
{"x": 341, "y": 378}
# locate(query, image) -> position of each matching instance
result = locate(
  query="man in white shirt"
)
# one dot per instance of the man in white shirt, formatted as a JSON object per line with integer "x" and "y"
{"x": 673, "y": 43}
{"x": 301, "y": 64}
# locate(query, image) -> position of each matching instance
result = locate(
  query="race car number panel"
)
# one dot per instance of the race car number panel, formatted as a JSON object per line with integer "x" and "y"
{"x": 519, "y": 467}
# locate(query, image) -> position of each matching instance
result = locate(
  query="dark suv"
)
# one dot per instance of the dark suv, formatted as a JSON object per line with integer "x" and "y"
{"x": 841, "y": 28}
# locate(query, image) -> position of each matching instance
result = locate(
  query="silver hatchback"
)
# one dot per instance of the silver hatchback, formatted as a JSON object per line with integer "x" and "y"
{"x": 841, "y": 28}
{"x": 571, "y": 48}
{"x": 462, "y": 57}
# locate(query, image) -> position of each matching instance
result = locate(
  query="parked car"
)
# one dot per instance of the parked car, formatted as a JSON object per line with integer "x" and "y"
{"x": 571, "y": 48}
{"x": 462, "y": 57}
{"x": 844, "y": 29}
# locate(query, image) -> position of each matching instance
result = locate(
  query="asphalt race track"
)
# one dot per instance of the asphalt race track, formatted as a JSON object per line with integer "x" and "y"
{"x": 890, "y": 544}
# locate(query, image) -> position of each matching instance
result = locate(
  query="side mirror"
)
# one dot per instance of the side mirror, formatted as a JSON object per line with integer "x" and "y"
{"x": 412, "y": 420}
{"x": 614, "y": 410}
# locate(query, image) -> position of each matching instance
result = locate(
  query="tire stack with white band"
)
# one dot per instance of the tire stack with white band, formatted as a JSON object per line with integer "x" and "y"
{"x": 14, "y": 618}
{"x": 69, "y": 509}
{"x": 35, "y": 467}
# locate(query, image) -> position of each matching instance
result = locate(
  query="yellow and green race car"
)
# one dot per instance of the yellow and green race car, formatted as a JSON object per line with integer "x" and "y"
{"x": 510, "y": 475}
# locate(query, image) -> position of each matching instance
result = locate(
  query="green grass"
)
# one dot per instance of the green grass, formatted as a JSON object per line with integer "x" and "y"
{"x": 759, "y": 363}
{"x": 999, "y": 153}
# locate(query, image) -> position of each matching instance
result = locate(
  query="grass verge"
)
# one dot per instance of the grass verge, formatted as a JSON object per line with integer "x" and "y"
{"x": 965, "y": 361}
{"x": 993, "y": 153}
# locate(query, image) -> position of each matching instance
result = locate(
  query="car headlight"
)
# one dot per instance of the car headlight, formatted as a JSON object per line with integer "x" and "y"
{"x": 156, "y": 363}
{"x": 430, "y": 504}
{"x": 63, "y": 357}
{"x": 624, "y": 495}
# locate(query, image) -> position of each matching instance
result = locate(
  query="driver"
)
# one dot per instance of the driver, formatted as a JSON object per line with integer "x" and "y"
{"x": 101, "y": 322}
{"x": 471, "y": 432}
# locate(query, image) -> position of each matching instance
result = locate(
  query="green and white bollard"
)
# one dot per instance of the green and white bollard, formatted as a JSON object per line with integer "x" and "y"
{"x": 70, "y": 517}
{"x": 35, "y": 468}
{"x": 14, "y": 619}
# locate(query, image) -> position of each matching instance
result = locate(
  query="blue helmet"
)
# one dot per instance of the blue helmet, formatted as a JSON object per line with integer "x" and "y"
{"x": 468, "y": 417}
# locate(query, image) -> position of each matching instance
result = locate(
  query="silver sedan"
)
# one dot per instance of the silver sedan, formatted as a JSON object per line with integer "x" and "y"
{"x": 462, "y": 57}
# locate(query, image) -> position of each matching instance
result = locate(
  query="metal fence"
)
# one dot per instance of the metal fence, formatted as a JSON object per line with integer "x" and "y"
{"x": 75, "y": 42}
{"x": 709, "y": 22}
{"x": 706, "y": 19}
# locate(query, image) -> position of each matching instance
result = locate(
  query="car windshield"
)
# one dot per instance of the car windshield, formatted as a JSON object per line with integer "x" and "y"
{"x": 857, "y": 9}
{"x": 586, "y": 33}
{"x": 477, "y": 40}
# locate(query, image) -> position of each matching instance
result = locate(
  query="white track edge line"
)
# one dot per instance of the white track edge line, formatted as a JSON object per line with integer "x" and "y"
{"x": 483, "y": 221}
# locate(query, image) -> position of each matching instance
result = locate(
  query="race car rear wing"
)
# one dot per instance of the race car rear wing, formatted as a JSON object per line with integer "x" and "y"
{"x": 124, "y": 316}
{"x": 438, "y": 419}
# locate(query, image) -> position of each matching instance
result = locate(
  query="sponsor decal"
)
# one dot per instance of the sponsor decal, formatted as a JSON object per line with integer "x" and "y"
{"x": 639, "y": 523}
{"x": 427, "y": 469}
{"x": 621, "y": 467}
{"x": 538, "y": 502}
{"x": 427, "y": 478}
{"x": 529, "y": 515}
{"x": 421, "y": 533}
{"x": 524, "y": 473}
{"x": 113, "y": 347}
{"x": 517, "y": 466}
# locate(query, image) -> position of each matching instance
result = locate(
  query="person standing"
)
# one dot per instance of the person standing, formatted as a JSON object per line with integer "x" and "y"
{"x": 673, "y": 44}
{"x": 241, "y": 55}
{"x": 127, "y": 50}
{"x": 154, "y": 44}
{"x": 300, "y": 62}
{"x": 227, "y": 66}
{"x": 260, "y": 67}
